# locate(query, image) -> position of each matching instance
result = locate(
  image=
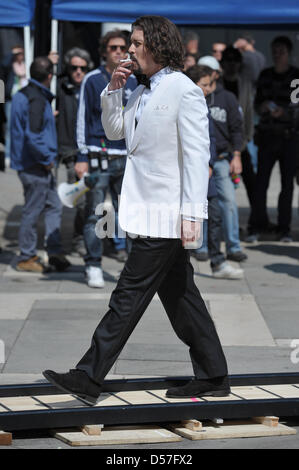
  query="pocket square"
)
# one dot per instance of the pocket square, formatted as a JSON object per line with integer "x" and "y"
{"x": 161, "y": 107}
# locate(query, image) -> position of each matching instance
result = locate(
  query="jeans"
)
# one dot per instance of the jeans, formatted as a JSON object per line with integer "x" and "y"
{"x": 40, "y": 196}
{"x": 212, "y": 231}
{"x": 79, "y": 217}
{"x": 109, "y": 179}
{"x": 204, "y": 246}
{"x": 228, "y": 205}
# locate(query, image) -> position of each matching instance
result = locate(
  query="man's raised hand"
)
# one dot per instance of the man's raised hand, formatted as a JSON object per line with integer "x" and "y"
{"x": 120, "y": 76}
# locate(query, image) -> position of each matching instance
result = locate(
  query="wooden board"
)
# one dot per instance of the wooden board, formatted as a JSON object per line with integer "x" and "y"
{"x": 252, "y": 393}
{"x": 119, "y": 435}
{"x": 60, "y": 401}
{"x": 284, "y": 391}
{"x": 232, "y": 430}
{"x": 22, "y": 404}
{"x": 2, "y": 410}
{"x": 109, "y": 400}
{"x": 161, "y": 394}
{"x": 230, "y": 397}
{"x": 139, "y": 398}
{"x": 5, "y": 438}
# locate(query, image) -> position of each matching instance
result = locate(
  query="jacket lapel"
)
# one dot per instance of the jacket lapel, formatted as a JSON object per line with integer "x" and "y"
{"x": 145, "y": 116}
{"x": 130, "y": 112}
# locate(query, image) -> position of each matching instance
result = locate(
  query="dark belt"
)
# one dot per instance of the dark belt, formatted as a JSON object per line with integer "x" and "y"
{"x": 99, "y": 156}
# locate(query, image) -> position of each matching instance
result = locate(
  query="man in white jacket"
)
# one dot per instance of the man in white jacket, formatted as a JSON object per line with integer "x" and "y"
{"x": 163, "y": 199}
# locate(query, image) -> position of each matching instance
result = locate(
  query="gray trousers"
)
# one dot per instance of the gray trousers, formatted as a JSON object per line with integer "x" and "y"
{"x": 40, "y": 196}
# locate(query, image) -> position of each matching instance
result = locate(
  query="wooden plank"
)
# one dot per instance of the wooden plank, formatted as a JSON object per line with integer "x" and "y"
{"x": 161, "y": 394}
{"x": 60, "y": 401}
{"x": 92, "y": 429}
{"x": 22, "y": 404}
{"x": 231, "y": 430}
{"x": 252, "y": 393}
{"x": 139, "y": 398}
{"x": 5, "y": 438}
{"x": 284, "y": 391}
{"x": 119, "y": 435}
{"x": 192, "y": 424}
{"x": 230, "y": 397}
{"x": 271, "y": 421}
{"x": 109, "y": 400}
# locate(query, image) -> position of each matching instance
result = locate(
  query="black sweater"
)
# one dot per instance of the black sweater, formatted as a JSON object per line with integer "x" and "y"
{"x": 228, "y": 121}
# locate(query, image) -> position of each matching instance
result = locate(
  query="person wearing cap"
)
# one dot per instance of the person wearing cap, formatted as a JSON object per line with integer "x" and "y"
{"x": 228, "y": 123}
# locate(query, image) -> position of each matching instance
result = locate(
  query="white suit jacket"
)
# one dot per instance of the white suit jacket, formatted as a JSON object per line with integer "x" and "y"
{"x": 167, "y": 169}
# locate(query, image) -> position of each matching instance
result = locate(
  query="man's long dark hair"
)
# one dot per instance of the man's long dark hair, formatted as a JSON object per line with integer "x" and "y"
{"x": 163, "y": 40}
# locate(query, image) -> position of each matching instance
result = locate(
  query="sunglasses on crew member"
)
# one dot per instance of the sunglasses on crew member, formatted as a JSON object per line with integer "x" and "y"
{"x": 115, "y": 47}
{"x": 75, "y": 67}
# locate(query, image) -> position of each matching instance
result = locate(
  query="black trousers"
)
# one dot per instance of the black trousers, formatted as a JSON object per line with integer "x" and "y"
{"x": 272, "y": 148}
{"x": 215, "y": 233}
{"x": 162, "y": 266}
{"x": 248, "y": 175}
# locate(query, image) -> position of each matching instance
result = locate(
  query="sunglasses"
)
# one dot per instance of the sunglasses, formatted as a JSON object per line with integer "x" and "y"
{"x": 75, "y": 67}
{"x": 114, "y": 48}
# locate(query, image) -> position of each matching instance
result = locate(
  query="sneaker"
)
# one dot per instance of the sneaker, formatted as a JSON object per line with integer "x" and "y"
{"x": 75, "y": 382}
{"x": 226, "y": 271}
{"x": 285, "y": 238}
{"x": 202, "y": 256}
{"x": 237, "y": 256}
{"x": 59, "y": 262}
{"x": 94, "y": 277}
{"x": 33, "y": 265}
{"x": 218, "y": 387}
{"x": 252, "y": 238}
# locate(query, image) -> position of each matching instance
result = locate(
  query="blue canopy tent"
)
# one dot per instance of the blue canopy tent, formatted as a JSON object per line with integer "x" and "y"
{"x": 210, "y": 12}
{"x": 19, "y": 14}
{"x": 16, "y": 13}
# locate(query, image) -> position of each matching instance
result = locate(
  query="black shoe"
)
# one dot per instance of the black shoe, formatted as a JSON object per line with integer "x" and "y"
{"x": 75, "y": 382}
{"x": 237, "y": 256}
{"x": 218, "y": 387}
{"x": 203, "y": 256}
{"x": 59, "y": 262}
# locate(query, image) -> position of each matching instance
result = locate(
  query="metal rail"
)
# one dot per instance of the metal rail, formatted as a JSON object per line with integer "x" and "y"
{"x": 148, "y": 413}
{"x": 155, "y": 383}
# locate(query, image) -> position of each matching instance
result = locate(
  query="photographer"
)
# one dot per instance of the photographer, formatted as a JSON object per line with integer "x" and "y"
{"x": 277, "y": 139}
{"x": 77, "y": 64}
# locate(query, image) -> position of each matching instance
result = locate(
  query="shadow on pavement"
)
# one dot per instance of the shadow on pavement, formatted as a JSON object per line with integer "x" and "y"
{"x": 277, "y": 249}
{"x": 283, "y": 268}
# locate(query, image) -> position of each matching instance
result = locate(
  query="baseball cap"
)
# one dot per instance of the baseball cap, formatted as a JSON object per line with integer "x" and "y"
{"x": 209, "y": 61}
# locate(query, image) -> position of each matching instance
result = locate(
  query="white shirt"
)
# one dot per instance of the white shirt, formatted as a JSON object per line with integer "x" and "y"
{"x": 147, "y": 93}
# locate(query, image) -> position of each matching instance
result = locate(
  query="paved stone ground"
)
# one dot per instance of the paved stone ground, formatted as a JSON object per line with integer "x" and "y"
{"x": 46, "y": 321}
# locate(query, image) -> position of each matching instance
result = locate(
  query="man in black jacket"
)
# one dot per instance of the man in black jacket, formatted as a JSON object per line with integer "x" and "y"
{"x": 78, "y": 63}
{"x": 277, "y": 139}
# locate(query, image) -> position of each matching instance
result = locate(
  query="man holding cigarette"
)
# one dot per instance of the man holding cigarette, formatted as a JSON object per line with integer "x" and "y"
{"x": 163, "y": 199}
